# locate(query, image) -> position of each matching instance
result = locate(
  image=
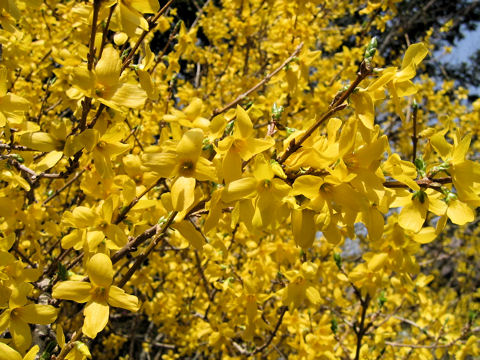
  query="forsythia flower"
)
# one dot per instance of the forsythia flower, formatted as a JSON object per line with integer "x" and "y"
{"x": 7, "y": 353}
{"x": 105, "y": 84}
{"x": 186, "y": 165}
{"x": 19, "y": 314}
{"x": 99, "y": 294}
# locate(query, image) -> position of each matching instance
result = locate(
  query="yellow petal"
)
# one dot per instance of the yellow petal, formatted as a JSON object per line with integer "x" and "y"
{"x": 243, "y": 125}
{"x": 7, "y": 353}
{"x": 183, "y": 193}
{"x": 49, "y": 161}
{"x": 413, "y": 215}
{"x": 414, "y": 54}
{"x": 119, "y": 298}
{"x": 190, "y": 145}
{"x": 22, "y": 337}
{"x": 37, "y": 314}
{"x": 313, "y": 295}
{"x": 191, "y": 234}
{"x": 108, "y": 67}
{"x": 40, "y": 141}
{"x": 32, "y": 353}
{"x": 377, "y": 261}
{"x": 80, "y": 217}
{"x": 161, "y": 163}
{"x": 240, "y": 189}
{"x": 307, "y": 185}
{"x": 60, "y": 336}
{"x": 459, "y": 212}
{"x": 78, "y": 291}
{"x": 128, "y": 95}
{"x": 303, "y": 226}
{"x": 96, "y": 318}
{"x": 364, "y": 108}
{"x": 100, "y": 270}
{"x": 425, "y": 236}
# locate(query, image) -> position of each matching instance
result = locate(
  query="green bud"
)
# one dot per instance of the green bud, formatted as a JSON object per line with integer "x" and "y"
{"x": 62, "y": 272}
{"x": 415, "y": 106}
{"x": 421, "y": 167}
{"x": 472, "y": 315}
{"x": 229, "y": 127}
{"x": 420, "y": 164}
{"x": 371, "y": 49}
{"x": 338, "y": 260}
{"x": 420, "y": 195}
{"x": 450, "y": 197}
{"x": 19, "y": 158}
{"x": 334, "y": 325}
{"x": 277, "y": 111}
{"x": 290, "y": 130}
{"x": 162, "y": 221}
{"x": 382, "y": 299}
{"x": 439, "y": 168}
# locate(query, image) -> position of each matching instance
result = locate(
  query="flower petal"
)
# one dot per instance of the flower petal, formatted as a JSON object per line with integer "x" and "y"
{"x": 183, "y": 193}
{"x": 6, "y": 352}
{"x": 22, "y": 337}
{"x": 78, "y": 291}
{"x": 96, "y": 318}
{"x": 100, "y": 270}
{"x": 37, "y": 314}
{"x": 119, "y": 298}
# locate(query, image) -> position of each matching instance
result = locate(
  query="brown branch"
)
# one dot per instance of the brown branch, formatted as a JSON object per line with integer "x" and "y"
{"x": 361, "y": 329}
{"x": 10, "y": 147}
{"x": 414, "y": 136}
{"x": 105, "y": 30}
{"x": 12, "y": 160}
{"x": 67, "y": 184}
{"x": 69, "y": 346}
{"x": 425, "y": 182}
{"x": 144, "y": 254}
{"x": 336, "y": 105}
{"x": 134, "y": 202}
{"x": 283, "y": 310}
{"x": 151, "y": 25}
{"x": 265, "y": 80}
{"x": 134, "y": 243}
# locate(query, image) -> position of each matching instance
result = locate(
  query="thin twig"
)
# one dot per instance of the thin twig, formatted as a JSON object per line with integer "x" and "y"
{"x": 69, "y": 346}
{"x": 265, "y": 80}
{"x": 336, "y": 105}
{"x": 144, "y": 254}
{"x": 414, "y": 136}
{"x": 151, "y": 25}
{"x": 67, "y": 184}
{"x": 134, "y": 202}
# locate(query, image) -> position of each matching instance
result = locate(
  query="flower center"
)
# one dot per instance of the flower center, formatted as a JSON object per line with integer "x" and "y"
{"x": 187, "y": 168}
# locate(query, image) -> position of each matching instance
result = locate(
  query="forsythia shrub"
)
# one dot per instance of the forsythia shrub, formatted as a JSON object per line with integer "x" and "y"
{"x": 255, "y": 183}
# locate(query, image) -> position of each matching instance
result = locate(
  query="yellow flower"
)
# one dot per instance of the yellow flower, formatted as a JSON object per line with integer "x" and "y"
{"x": 185, "y": 164}
{"x": 301, "y": 285}
{"x": 99, "y": 294}
{"x": 267, "y": 191}
{"x": 12, "y": 107}
{"x": 240, "y": 146}
{"x": 105, "y": 84}
{"x": 129, "y": 13}
{"x": 7, "y": 353}
{"x": 465, "y": 173}
{"x": 399, "y": 82}
{"x": 79, "y": 351}
{"x": 92, "y": 226}
{"x": 19, "y": 314}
